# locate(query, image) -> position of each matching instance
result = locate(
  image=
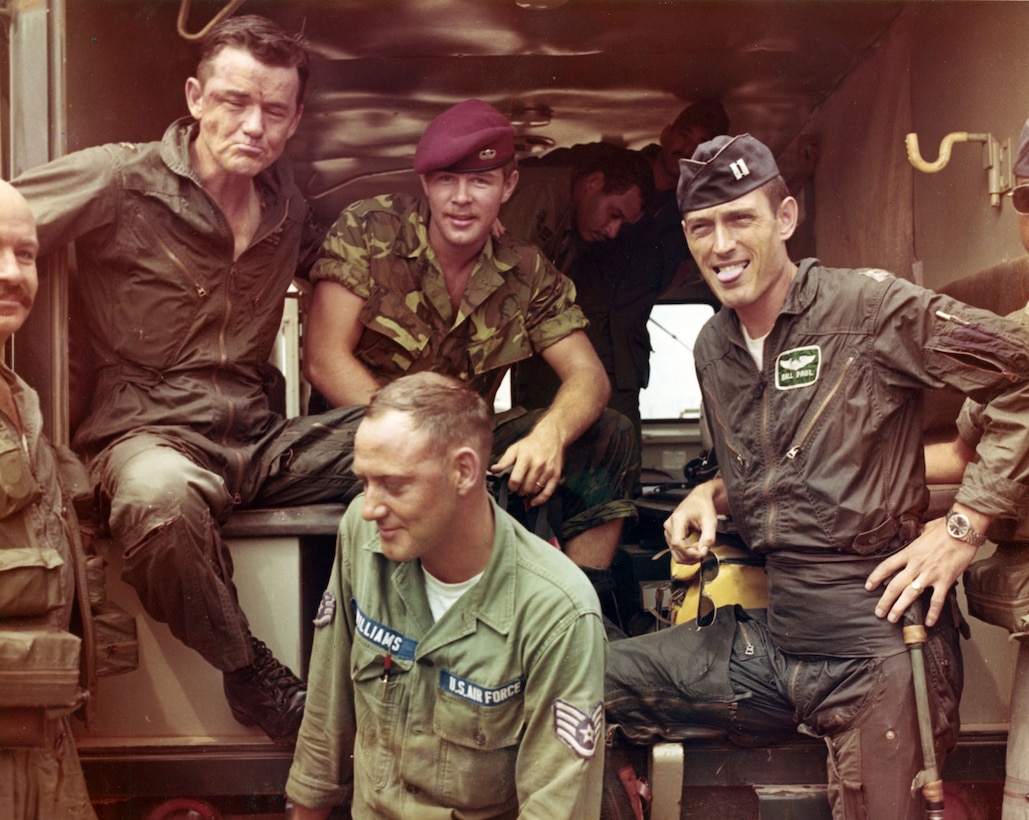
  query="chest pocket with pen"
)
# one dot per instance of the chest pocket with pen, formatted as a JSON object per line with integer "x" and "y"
{"x": 377, "y": 704}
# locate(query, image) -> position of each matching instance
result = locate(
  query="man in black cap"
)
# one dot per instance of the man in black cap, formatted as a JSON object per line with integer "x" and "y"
{"x": 813, "y": 380}
{"x": 408, "y": 284}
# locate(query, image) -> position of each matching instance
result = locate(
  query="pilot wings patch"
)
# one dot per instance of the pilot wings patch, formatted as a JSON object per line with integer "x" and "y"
{"x": 576, "y": 729}
{"x": 798, "y": 367}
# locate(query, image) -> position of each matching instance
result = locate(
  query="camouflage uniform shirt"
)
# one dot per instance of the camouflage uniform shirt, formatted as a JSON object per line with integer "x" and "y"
{"x": 515, "y": 304}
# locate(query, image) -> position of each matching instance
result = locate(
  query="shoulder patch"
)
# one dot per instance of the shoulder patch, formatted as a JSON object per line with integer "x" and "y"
{"x": 326, "y": 610}
{"x": 798, "y": 367}
{"x": 576, "y": 729}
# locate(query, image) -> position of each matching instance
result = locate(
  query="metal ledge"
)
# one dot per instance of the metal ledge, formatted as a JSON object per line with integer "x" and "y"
{"x": 188, "y": 770}
{"x": 309, "y": 519}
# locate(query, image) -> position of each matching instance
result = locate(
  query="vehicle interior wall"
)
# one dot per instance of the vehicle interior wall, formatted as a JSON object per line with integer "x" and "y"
{"x": 936, "y": 68}
{"x": 940, "y": 68}
{"x": 970, "y": 72}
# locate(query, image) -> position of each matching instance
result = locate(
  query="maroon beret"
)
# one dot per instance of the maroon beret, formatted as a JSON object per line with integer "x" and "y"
{"x": 470, "y": 136}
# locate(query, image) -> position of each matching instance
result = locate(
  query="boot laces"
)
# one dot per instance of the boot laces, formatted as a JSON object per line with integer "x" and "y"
{"x": 273, "y": 676}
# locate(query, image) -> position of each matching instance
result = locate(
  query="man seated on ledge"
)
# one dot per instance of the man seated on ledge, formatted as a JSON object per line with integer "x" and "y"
{"x": 186, "y": 248}
{"x": 813, "y": 378}
{"x": 458, "y": 660}
{"x": 408, "y": 284}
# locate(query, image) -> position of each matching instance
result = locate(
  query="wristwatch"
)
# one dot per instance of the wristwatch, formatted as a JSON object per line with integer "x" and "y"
{"x": 958, "y": 526}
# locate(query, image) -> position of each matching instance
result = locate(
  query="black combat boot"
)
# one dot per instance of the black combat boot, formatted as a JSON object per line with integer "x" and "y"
{"x": 268, "y": 695}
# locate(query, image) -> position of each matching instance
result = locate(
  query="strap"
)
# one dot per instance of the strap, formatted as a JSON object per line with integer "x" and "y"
{"x": 88, "y": 674}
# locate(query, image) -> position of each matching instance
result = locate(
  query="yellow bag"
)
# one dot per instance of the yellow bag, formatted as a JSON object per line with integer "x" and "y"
{"x": 732, "y": 574}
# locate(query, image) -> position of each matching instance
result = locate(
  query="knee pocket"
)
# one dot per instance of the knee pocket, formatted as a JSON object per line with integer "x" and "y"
{"x": 844, "y": 765}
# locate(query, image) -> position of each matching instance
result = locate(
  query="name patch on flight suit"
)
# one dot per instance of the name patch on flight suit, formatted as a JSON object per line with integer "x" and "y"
{"x": 480, "y": 695}
{"x": 576, "y": 729}
{"x": 798, "y": 367}
{"x": 396, "y": 643}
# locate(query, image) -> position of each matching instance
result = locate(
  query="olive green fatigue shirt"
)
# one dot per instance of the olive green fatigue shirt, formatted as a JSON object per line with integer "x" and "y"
{"x": 36, "y": 517}
{"x": 494, "y": 711}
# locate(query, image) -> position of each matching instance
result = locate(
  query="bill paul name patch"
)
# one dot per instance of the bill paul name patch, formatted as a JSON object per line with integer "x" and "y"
{"x": 798, "y": 367}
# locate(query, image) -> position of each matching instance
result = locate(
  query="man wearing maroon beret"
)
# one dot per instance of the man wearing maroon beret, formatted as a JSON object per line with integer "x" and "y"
{"x": 408, "y": 284}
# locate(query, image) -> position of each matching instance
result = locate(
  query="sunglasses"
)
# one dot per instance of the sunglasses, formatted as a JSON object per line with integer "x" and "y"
{"x": 706, "y": 609}
{"x": 1020, "y": 198}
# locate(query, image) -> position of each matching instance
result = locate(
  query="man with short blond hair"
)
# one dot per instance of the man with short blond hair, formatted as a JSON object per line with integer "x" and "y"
{"x": 458, "y": 660}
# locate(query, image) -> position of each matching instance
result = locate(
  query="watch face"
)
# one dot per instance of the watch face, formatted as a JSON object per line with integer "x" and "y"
{"x": 958, "y": 525}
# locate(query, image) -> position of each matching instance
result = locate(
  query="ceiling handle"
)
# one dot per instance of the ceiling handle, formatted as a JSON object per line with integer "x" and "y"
{"x": 229, "y": 8}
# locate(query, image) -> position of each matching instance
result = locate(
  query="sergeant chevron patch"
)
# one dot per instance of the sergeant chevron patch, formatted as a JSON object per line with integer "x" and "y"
{"x": 576, "y": 729}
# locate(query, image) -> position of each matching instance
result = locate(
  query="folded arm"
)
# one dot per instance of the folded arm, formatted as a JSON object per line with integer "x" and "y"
{"x": 333, "y": 331}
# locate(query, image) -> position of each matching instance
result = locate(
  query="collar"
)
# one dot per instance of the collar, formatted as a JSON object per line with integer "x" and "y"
{"x": 274, "y": 181}
{"x": 491, "y": 601}
{"x": 802, "y": 290}
{"x": 799, "y": 298}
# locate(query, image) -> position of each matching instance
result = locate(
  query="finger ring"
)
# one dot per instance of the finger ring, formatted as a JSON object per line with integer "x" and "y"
{"x": 916, "y": 586}
{"x": 539, "y": 484}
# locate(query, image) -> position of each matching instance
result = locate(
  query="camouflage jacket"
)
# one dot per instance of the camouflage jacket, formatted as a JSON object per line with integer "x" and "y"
{"x": 516, "y": 303}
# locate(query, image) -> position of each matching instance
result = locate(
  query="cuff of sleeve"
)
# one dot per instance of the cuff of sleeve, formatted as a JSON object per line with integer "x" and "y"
{"x": 991, "y": 494}
{"x": 316, "y": 795}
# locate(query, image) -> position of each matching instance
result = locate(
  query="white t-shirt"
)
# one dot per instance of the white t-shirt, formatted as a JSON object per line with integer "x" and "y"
{"x": 756, "y": 347}
{"x": 443, "y": 596}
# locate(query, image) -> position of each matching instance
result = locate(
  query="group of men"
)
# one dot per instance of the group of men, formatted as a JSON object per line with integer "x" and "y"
{"x": 459, "y": 663}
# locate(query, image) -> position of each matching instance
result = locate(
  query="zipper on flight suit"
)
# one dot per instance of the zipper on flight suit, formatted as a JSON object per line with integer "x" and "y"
{"x": 713, "y": 406}
{"x": 990, "y": 364}
{"x": 198, "y": 287}
{"x": 795, "y": 449}
{"x": 798, "y": 444}
{"x": 746, "y": 637}
{"x": 230, "y": 286}
{"x": 223, "y": 358}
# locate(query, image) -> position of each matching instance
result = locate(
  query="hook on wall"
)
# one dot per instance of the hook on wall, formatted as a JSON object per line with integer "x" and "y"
{"x": 996, "y": 159}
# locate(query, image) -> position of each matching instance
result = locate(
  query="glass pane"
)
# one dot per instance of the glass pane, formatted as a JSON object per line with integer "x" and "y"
{"x": 673, "y": 392}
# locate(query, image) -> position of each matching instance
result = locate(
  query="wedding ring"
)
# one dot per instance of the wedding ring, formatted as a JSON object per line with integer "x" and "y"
{"x": 916, "y": 586}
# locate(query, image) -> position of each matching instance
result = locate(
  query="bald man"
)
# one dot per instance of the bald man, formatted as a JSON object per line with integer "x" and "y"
{"x": 43, "y": 780}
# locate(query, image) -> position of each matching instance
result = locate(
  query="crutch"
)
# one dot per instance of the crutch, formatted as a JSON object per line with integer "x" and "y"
{"x": 929, "y": 778}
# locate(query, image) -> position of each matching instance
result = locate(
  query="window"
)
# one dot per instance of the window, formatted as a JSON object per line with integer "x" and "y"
{"x": 673, "y": 392}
